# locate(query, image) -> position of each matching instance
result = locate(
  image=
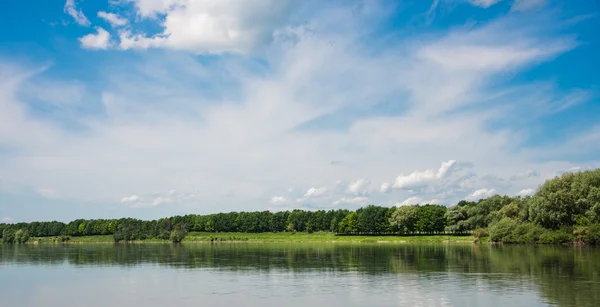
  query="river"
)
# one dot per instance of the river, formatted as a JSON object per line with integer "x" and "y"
{"x": 252, "y": 274}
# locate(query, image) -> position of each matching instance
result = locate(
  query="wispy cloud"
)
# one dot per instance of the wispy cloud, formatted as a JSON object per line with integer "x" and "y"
{"x": 77, "y": 15}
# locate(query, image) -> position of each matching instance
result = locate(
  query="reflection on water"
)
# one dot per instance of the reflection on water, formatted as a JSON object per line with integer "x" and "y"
{"x": 297, "y": 275}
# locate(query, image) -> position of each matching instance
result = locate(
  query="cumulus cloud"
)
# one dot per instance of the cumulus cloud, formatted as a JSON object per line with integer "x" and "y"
{"x": 524, "y": 175}
{"x": 77, "y": 15}
{"x": 358, "y": 201}
{"x": 414, "y": 200}
{"x": 210, "y": 26}
{"x": 113, "y": 19}
{"x": 161, "y": 201}
{"x": 481, "y": 193}
{"x": 386, "y": 187}
{"x": 278, "y": 199}
{"x": 238, "y": 124}
{"x": 526, "y": 192}
{"x": 315, "y": 192}
{"x": 418, "y": 179}
{"x": 359, "y": 187}
{"x": 98, "y": 41}
{"x": 130, "y": 199}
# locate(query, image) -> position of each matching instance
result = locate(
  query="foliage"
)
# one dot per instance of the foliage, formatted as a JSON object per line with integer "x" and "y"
{"x": 555, "y": 237}
{"x": 502, "y": 230}
{"x": 564, "y": 209}
{"x": 480, "y": 233}
{"x": 8, "y": 235}
{"x": 21, "y": 236}
{"x": 592, "y": 235}
{"x": 179, "y": 232}
{"x": 404, "y": 219}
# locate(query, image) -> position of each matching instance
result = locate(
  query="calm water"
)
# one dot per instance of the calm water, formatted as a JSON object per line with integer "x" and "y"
{"x": 332, "y": 275}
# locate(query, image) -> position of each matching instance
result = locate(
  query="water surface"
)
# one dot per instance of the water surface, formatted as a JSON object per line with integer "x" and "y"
{"x": 332, "y": 275}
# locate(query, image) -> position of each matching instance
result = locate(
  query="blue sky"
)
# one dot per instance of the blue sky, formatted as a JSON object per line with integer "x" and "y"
{"x": 151, "y": 108}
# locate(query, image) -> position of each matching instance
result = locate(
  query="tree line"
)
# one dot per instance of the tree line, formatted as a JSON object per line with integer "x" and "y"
{"x": 564, "y": 209}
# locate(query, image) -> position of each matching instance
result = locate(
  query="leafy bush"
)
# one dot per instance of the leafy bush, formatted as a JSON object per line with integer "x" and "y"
{"x": 502, "y": 230}
{"x": 21, "y": 236}
{"x": 592, "y": 235}
{"x": 534, "y": 232}
{"x": 178, "y": 233}
{"x": 480, "y": 233}
{"x": 555, "y": 237}
{"x": 8, "y": 236}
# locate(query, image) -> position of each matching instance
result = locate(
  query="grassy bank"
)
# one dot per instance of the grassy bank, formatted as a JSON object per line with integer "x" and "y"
{"x": 200, "y": 237}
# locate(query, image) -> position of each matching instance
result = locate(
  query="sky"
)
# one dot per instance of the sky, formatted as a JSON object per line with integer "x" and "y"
{"x": 154, "y": 108}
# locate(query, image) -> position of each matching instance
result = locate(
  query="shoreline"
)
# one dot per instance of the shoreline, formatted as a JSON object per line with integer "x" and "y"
{"x": 330, "y": 238}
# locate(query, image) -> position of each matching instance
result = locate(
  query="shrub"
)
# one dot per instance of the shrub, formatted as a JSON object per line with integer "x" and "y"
{"x": 21, "y": 236}
{"x": 555, "y": 237}
{"x": 178, "y": 233}
{"x": 502, "y": 230}
{"x": 592, "y": 235}
{"x": 533, "y": 233}
{"x": 8, "y": 236}
{"x": 480, "y": 233}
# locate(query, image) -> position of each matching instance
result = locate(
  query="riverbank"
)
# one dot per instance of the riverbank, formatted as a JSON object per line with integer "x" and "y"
{"x": 280, "y": 237}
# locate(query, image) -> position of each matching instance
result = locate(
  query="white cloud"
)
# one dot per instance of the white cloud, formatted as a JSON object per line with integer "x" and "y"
{"x": 315, "y": 192}
{"x": 77, "y": 15}
{"x": 230, "y": 126}
{"x": 414, "y": 200}
{"x": 359, "y": 187}
{"x": 524, "y": 175}
{"x": 114, "y": 19}
{"x": 484, "y": 3}
{"x": 100, "y": 40}
{"x": 527, "y": 5}
{"x": 526, "y": 192}
{"x": 481, "y": 193}
{"x": 161, "y": 201}
{"x": 210, "y": 26}
{"x": 6, "y": 220}
{"x": 357, "y": 201}
{"x": 385, "y": 188}
{"x": 417, "y": 179}
{"x": 278, "y": 199}
{"x": 131, "y": 199}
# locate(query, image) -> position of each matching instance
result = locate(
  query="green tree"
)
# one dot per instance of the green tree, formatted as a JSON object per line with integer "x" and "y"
{"x": 349, "y": 224}
{"x": 8, "y": 235}
{"x": 21, "y": 236}
{"x": 405, "y": 218}
{"x": 179, "y": 232}
{"x": 373, "y": 220}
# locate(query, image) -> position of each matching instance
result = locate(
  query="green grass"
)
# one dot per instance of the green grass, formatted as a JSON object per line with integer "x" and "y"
{"x": 276, "y": 238}
{"x": 316, "y": 237}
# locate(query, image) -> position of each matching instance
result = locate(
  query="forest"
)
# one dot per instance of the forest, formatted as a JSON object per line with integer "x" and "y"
{"x": 565, "y": 209}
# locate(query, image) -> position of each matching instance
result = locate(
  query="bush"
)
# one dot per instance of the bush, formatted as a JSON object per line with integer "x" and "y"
{"x": 534, "y": 233}
{"x": 480, "y": 233}
{"x": 178, "y": 233}
{"x": 63, "y": 238}
{"x": 21, "y": 236}
{"x": 8, "y": 236}
{"x": 592, "y": 235}
{"x": 555, "y": 237}
{"x": 502, "y": 230}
